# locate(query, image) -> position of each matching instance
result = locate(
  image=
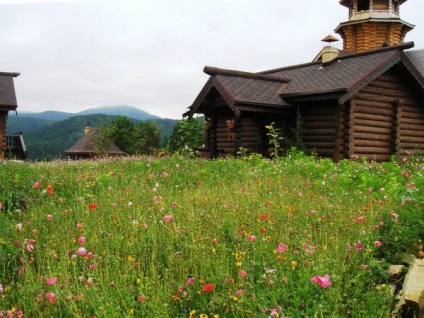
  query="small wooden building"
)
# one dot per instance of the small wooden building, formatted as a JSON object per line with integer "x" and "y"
{"x": 7, "y": 103}
{"x": 367, "y": 100}
{"x": 88, "y": 146}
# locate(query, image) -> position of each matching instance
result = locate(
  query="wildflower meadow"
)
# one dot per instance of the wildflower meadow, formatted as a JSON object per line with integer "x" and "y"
{"x": 174, "y": 237}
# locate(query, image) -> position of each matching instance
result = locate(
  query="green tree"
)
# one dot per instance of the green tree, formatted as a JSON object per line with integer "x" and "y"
{"x": 187, "y": 133}
{"x": 147, "y": 137}
{"x": 124, "y": 134}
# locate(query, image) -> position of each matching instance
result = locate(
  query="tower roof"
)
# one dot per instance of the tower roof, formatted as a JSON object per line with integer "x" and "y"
{"x": 346, "y": 3}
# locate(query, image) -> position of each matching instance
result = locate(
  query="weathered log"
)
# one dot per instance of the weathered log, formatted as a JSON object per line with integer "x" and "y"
{"x": 403, "y": 127}
{"x": 374, "y": 123}
{"x": 411, "y": 133}
{"x": 313, "y": 138}
{"x": 374, "y": 98}
{"x": 372, "y": 143}
{"x": 320, "y": 145}
{"x": 374, "y": 130}
{"x": 321, "y": 132}
{"x": 371, "y": 150}
{"x": 318, "y": 125}
{"x": 411, "y": 139}
{"x": 375, "y": 110}
{"x": 413, "y": 121}
{"x": 373, "y": 117}
{"x": 367, "y": 136}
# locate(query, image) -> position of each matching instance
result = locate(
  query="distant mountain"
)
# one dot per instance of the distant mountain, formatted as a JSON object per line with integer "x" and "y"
{"x": 23, "y": 124}
{"x": 26, "y": 121}
{"x": 50, "y": 141}
{"x": 122, "y": 110}
{"x": 50, "y": 115}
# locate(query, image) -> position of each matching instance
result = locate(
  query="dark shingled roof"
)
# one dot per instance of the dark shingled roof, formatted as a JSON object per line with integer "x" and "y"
{"x": 417, "y": 58}
{"x": 280, "y": 88}
{"x": 86, "y": 146}
{"x": 346, "y": 73}
{"x": 7, "y": 91}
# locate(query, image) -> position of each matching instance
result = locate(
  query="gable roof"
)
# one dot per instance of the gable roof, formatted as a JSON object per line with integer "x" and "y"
{"x": 417, "y": 59}
{"x": 281, "y": 88}
{"x": 241, "y": 90}
{"x": 7, "y": 91}
{"x": 86, "y": 145}
{"x": 340, "y": 80}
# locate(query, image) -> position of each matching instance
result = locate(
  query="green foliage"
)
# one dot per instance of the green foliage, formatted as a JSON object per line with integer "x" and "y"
{"x": 229, "y": 219}
{"x": 187, "y": 133}
{"x": 275, "y": 140}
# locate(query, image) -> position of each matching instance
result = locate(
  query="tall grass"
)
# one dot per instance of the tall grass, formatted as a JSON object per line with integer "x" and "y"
{"x": 172, "y": 237}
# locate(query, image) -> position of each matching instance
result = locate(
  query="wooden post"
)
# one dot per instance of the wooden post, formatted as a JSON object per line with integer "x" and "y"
{"x": 3, "y": 116}
{"x": 351, "y": 145}
{"x": 213, "y": 139}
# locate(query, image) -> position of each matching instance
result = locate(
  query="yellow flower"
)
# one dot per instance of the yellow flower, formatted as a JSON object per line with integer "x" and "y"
{"x": 238, "y": 256}
{"x": 216, "y": 316}
{"x": 203, "y": 316}
{"x": 131, "y": 312}
{"x": 130, "y": 259}
{"x": 192, "y": 313}
{"x": 242, "y": 253}
{"x": 293, "y": 264}
{"x": 239, "y": 264}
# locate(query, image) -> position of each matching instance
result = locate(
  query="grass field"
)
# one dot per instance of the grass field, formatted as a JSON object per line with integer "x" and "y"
{"x": 175, "y": 237}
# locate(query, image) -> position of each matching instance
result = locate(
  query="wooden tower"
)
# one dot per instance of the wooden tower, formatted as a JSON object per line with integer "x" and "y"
{"x": 372, "y": 24}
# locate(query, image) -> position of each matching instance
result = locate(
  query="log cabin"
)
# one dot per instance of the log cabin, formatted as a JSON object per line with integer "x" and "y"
{"x": 366, "y": 100}
{"x": 7, "y": 103}
{"x": 90, "y": 146}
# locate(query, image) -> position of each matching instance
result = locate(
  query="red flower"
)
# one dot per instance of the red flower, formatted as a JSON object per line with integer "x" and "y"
{"x": 208, "y": 287}
{"x": 92, "y": 206}
{"x": 50, "y": 190}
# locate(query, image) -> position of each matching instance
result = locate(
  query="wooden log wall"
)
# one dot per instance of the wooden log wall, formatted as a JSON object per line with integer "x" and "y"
{"x": 366, "y": 36}
{"x": 251, "y": 138}
{"x": 247, "y": 134}
{"x": 319, "y": 123}
{"x": 3, "y": 116}
{"x": 385, "y": 117}
{"x": 225, "y": 144}
{"x": 410, "y": 129}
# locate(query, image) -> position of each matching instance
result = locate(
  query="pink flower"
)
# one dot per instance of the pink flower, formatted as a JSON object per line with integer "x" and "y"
{"x": 242, "y": 274}
{"x": 49, "y": 217}
{"x": 190, "y": 280}
{"x": 214, "y": 241}
{"x": 282, "y": 248}
{"x": 174, "y": 204}
{"x": 324, "y": 282}
{"x": 359, "y": 246}
{"x": 22, "y": 271}
{"x": 81, "y": 251}
{"x": 36, "y": 185}
{"x": 51, "y": 281}
{"x": 377, "y": 243}
{"x": 1, "y": 289}
{"x": 168, "y": 218}
{"x": 251, "y": 238}
{"x": 51, "y": 297}
{"x": 141, "y": 298}
{"x": 360, "y": 219}
{"x": 89, "y": 282}
{"x": 30, "y": 248}
{"x": 78, "y": 225}
{"x": 82, "y": 240}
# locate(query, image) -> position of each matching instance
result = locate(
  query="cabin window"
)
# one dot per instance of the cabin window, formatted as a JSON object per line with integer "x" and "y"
{"x": 381, "y": 5}
{"x": 363, "y": 5}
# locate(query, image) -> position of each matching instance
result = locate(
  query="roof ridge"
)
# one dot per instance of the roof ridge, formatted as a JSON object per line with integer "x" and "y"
{"x": 219, "y": 71}
{"x": 402, "y": 46}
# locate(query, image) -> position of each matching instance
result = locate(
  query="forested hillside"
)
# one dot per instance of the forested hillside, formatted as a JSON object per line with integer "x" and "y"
{"x": 49, "y": 141}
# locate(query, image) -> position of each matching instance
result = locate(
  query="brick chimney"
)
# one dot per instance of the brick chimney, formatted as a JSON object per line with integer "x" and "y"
{"x": 87, "y": 127}
{"x": 329, "y": 52}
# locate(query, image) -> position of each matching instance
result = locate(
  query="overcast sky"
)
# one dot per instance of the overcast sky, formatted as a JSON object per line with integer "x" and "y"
{"x": 74, "y": 55}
